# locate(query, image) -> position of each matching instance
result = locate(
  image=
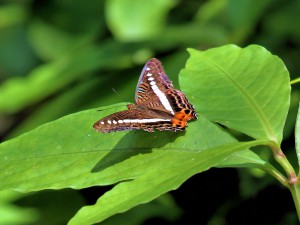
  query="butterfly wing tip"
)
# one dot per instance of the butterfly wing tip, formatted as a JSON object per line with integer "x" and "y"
{"x": 98, "y": 128}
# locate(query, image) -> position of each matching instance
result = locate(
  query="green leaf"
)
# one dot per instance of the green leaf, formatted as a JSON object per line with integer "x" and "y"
{"x": 69, "y": 153}
{"x": 297, "y": 136}
{"x": 244, "y": 159}
{"x": 168, "y": 172}
{"x": 249, "y": 159}
{"x": 244, "y": 89}
{"x": 137, "y": 20}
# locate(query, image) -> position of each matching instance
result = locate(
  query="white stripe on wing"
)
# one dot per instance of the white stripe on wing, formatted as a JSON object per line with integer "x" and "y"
{"x": 162, "y": 97}
{"x": 144, "y": 120}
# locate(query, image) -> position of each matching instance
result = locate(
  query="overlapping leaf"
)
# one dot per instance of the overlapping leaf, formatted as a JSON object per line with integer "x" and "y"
{"x": 244, "y": 89}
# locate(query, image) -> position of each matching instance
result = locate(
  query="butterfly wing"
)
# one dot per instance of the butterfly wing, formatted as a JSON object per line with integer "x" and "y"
{"x": 155, "y": 90}
{"x": 136, "y": 118}
{"x": 152, "y": 71}
{"x": 151, "y": 87}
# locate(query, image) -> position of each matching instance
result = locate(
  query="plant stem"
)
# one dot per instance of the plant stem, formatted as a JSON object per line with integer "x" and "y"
{"x": 275, "y": 173}
{"x": 297, "y": 80}
{"x": 293, "y": 180}
{"x": 295, "y": 190}
{"x": 270, "y": 169}
{"x": 284, "y": 162}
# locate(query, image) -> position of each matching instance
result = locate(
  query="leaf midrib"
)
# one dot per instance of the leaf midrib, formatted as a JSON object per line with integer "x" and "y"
{"x": 257, "y": 109}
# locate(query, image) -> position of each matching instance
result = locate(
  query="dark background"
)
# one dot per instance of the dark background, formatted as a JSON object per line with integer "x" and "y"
{"x": 59, "y": 57}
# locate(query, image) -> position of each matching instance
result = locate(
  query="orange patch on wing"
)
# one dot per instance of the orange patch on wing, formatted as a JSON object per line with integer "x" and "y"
{"x": 180, "y": 118}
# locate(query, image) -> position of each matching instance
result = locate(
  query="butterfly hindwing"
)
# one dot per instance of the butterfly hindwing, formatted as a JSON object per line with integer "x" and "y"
{"x": 158, "y": 105}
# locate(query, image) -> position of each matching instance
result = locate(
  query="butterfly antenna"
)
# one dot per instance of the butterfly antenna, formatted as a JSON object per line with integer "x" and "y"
{"x": 116, "y": 92}
{"x": 112, "y": 106}
{"x": 122, "y": 99}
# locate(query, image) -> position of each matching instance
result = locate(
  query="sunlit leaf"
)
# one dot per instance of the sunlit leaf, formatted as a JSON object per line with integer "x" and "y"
{"x": 244, "y": 89}
{"x": 71, "y": 146}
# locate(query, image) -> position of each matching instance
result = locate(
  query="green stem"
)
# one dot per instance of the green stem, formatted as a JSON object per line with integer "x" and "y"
{"x": 281, "y": 159}
{"x": 284, "y": 162}
{"x": 297, "y": 80}
{"x": 295, "y": 190}
{"x": 293, "y": 180}
{"x": 275, "y": 173}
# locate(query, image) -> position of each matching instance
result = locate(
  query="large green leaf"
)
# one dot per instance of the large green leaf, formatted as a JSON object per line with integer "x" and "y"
{"x": 244, "y": 89}
{"x": 69, "y": 153}
{"x": 167, "y": 172}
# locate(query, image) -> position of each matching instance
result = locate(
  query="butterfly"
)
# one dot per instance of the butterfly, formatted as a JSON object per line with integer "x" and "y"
{"x": 158, "y": 105}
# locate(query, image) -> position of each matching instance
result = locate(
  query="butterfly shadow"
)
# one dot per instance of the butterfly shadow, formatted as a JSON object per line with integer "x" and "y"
{"x": 135, "y": 143}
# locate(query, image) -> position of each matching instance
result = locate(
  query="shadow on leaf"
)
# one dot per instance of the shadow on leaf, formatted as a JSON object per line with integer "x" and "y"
{"x": 135, "y": 143}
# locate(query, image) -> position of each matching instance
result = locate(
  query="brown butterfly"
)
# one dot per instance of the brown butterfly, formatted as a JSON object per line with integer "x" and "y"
{"x": 158, "y": 105}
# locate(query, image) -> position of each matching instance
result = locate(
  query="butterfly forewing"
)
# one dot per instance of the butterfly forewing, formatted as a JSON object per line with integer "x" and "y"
{"x": 151, "y": 87}
{"x": 158, "y": 105}
{"x": 153, "y": 72}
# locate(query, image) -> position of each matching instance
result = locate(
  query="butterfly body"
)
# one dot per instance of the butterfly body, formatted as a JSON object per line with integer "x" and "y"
{"x": 158, "y": 105}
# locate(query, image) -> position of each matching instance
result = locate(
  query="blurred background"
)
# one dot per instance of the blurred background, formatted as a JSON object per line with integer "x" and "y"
{"x": 62, "y": 56}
